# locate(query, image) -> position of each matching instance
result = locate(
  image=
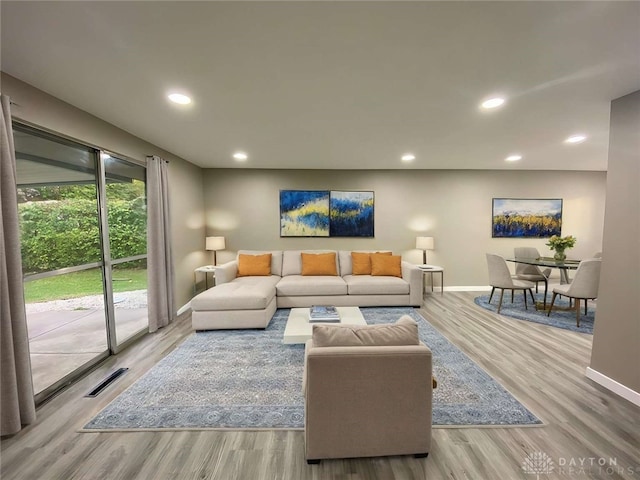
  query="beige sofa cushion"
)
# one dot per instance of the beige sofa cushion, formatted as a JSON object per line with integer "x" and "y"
{"x": 403, "y": 332}
{"x": 369, "y": 285}
{"x": 299, "y": 286}
{"x": 244, "y": 293}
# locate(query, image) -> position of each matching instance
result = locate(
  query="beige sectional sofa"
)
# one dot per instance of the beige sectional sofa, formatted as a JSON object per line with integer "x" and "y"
{"x": 251, "y": 301}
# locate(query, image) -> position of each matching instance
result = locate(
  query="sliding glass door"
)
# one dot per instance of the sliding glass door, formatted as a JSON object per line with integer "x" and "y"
{"x": 83, "y": 239}
{"x": 126, "y": 223}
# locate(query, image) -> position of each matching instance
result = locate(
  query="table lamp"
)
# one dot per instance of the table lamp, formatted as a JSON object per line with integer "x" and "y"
{"x": 424, "y": 244}
{"x": 214, "y": 243}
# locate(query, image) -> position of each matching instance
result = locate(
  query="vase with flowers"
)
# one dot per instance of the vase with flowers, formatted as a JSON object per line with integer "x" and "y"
{"x": 560, "y": 244}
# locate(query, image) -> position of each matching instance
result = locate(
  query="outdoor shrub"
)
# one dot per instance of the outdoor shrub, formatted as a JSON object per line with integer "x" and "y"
{"x": 63, "y": 233}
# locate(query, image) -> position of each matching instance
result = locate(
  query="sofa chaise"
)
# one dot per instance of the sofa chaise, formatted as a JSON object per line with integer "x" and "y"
{"x": 301, "y": 278}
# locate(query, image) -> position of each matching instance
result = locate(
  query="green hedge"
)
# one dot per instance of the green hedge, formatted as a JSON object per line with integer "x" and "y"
{"x": 65, "y": 233}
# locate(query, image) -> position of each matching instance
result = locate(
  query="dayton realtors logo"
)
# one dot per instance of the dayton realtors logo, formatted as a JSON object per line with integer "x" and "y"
{"x": 538, "y": 463}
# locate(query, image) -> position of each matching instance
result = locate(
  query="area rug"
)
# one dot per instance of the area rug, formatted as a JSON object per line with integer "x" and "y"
{"x": 248, "y": 379}
{"x": 562, "y": 318}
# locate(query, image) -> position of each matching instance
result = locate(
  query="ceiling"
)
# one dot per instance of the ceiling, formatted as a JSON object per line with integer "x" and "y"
{"x": 339, "y": 85}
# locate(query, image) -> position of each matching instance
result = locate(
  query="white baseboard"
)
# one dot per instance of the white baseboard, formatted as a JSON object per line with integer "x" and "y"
{"x": 481, "y": 288}
{"x": 615, "y": 387}
{"x": 184, "y": 308}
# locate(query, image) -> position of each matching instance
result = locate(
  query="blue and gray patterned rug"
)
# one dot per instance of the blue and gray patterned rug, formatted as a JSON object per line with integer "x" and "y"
{"x": 565, "y": 319}
{"x": 247, "y": 379}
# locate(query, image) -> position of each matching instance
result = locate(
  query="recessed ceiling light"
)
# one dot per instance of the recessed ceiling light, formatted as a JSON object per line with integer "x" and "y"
{"x": 179, "y": 98}
{"x": 241, "y": 156}
{"x": 494, "y": 102}
{"x": 408, "y": 157}
{"x": 513, "y": 158}
{"x": 576, "y": 139}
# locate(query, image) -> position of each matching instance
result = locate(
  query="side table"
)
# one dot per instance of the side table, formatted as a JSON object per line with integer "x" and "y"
{"x": 206, "y": 269}
{"x": 434, "y": 269}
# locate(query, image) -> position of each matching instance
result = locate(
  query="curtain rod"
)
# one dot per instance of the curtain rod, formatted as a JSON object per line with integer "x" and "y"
{"x": 161, "y": 158}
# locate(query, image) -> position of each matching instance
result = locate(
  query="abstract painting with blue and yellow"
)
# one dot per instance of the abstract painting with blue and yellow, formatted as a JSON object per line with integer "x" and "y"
{"x": 304, "y": 213}
{"x": 351, "y": 214}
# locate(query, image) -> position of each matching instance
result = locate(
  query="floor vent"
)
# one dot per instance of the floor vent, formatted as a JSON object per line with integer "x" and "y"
{"x": 106, "y": 382}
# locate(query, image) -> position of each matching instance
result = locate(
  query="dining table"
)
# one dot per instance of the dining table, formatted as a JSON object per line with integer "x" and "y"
{"x": 549, "y": 262}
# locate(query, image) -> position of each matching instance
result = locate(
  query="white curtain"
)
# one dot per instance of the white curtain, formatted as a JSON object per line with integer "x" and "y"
{"x": 17, "y": 405}
{"x": 159, "y": 258}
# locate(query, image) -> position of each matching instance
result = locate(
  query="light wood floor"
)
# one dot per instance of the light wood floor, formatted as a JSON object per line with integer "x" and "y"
{"x": 543, "y": 367}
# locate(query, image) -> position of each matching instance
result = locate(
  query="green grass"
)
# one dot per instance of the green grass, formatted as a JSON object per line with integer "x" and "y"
{"x": 80, "y": 284}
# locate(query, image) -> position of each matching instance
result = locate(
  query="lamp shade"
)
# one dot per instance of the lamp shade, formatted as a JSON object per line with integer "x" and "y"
{"x": 424, "y": 243}
{"x": 214, "y": 243}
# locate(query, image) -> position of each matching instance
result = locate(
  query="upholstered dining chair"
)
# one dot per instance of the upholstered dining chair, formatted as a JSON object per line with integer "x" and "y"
{"x": 532, "y": 272}
{"x": 583, "y": 287}
{"x": 500, "y": 277}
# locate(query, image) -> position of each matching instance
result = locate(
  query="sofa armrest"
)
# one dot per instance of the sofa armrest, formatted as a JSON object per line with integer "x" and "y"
{"x": 412, "y": 274}
{"x": 307, "y": 346}
{"x": 226, "y": 272}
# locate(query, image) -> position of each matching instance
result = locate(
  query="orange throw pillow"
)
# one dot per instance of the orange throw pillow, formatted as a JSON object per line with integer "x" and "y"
{"x": 361, "y": 262}
{"x": 386, "y": 265}
{"x": 319, "y": 264}
{"x": 254, "y": 265}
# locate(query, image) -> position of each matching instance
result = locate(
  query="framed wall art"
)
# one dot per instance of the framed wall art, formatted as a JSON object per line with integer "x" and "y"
{"x": 526, "y": 217}
{"x": 324, "y": 213}
{"x": 304, "y": 213}
{"x": 351, "y": 214}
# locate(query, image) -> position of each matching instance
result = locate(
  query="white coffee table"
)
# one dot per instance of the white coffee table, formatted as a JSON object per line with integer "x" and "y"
{"x": 298, "y": 328}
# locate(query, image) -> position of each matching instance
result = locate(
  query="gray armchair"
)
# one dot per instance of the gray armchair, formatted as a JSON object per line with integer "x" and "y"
{"x": 583, "y": 287}
{"x": 500, "y": 277}
{"x": 368, "y": 391}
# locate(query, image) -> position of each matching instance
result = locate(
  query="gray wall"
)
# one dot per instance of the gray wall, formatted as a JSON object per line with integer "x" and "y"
{"x": 453, "y": 206}
{"x": 616, "y": 340}
{"x": 185, "y": 179}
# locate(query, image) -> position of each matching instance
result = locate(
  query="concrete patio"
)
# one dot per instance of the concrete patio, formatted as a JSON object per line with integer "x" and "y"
{"x": 64, "y": 335}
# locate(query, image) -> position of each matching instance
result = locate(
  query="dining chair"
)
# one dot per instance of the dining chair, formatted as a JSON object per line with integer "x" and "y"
{"x": 583, "y": 287}
{"x": 532, "y": 273}
{"x": 500, "y": 277}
